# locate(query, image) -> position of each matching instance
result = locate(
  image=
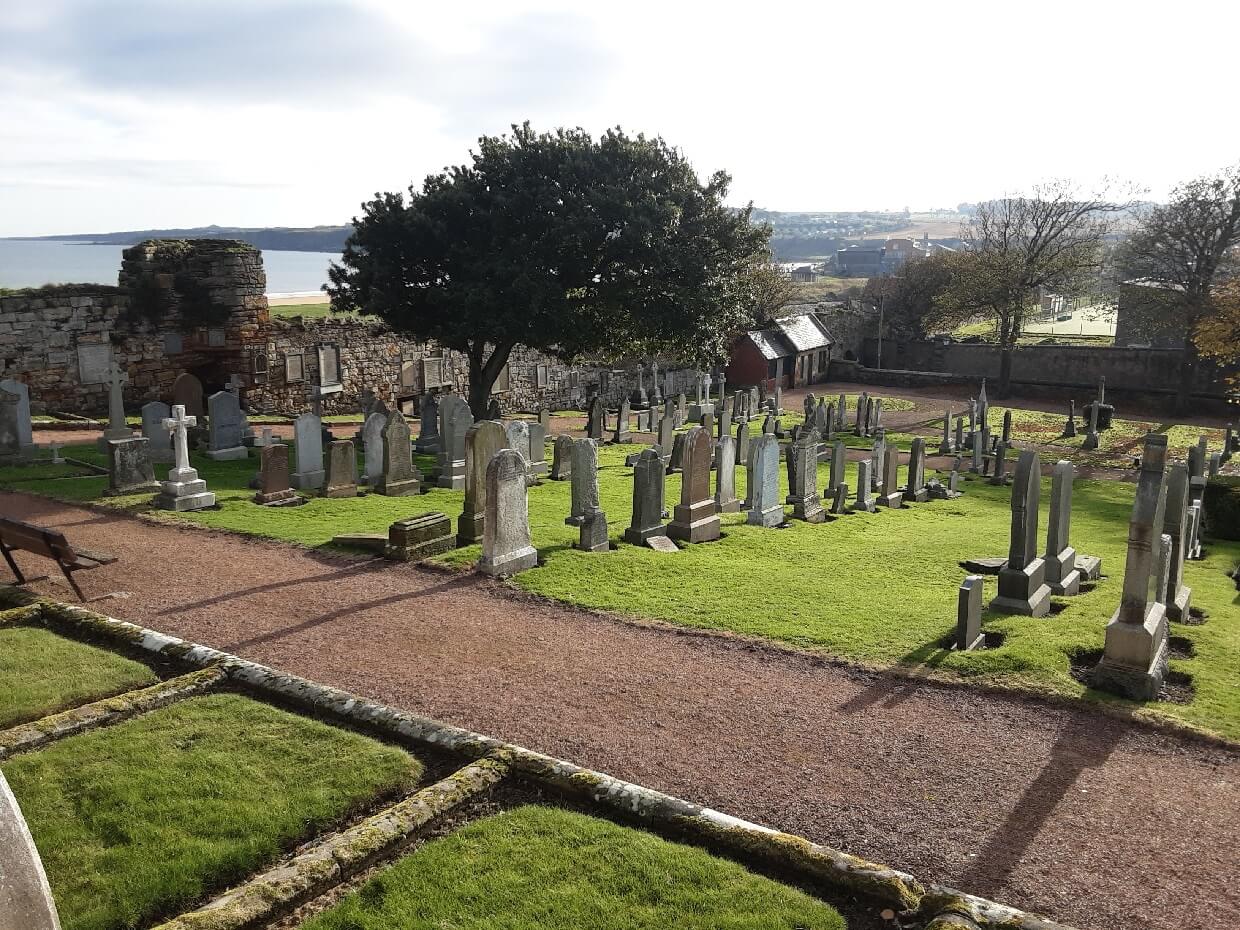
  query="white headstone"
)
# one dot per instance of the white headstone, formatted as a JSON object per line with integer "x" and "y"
{"x": 25, "y": 897}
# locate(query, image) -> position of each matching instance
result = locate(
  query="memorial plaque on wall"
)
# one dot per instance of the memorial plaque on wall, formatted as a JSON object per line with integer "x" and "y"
{"x": 502, "y": 383}
{"x": 329, "y": 364}
{"x": 432, "y": 372}
{"x": 216, "y": 339}
{"x": 94, "y": 362}
{"x": 173, "y": 344}
{"x": 540, "y": 376}
{"x": 294, "y": 368}
{"x": 409, "y": 375}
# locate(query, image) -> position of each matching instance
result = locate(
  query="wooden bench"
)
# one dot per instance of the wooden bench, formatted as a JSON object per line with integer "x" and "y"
{"x": 16, "y": 535}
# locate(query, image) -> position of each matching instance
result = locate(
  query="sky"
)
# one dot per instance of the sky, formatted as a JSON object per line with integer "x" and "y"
{"x": 136, "y": 114}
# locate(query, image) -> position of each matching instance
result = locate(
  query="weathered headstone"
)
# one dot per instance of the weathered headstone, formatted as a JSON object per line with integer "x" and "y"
{"x": 398, "y": 477}
{"x": 877, "y": 422}
{"x": 183, "y": 490}
{"x": 428, "y": 424}
{"x": 1176, "y": 524}
{"x": 859, "y": 426}
{"x": 1061, "y": 574}
{"x": 1022, "y": 584}
{"x": 538, "y": 451}
{"x": 839, "y": 459}
{"x": 596, "y": 418}
{"x": 677, "y": 460}
{"x": 806, "y": 504}
{"x": 26, "y": 901}
{"x": 584, "y": 482}
{"x": 946, "y": 446}
{"x": 1069, "y": 428}
{"x": 187, "y": 392}
{"x": 506, "y": 544}
{"x": 129, "y": 466}
{"x": 915, "y": 486}
{"x": 561, "y": 458}
{"x": 682, "y": 412}
{"x": 878, "y": 455}
{"x": 694, "y": 519}
{"x": 779, "y": 401}
{"x": 891, "y": 495}
{"x": 742, "y": 443}
{"x": 725, "y": 477}
{"x": 958, "y": 440}
{"x": 999, "y": 474}
{"x": 494, "y": 411}
{"x": 159, "y": 440}
{"x": 372, "y": 446}
{"x": 518, "y": 433}
{"x": 622, "y": 422}
{"x": 864, "y": 502}
{"x": 544, "y": 420}
{"x": 273, "y": 476}
{"x": 117, "y": 427}
{"x": 340, "y": 479}
{"x": 1216, "y": 462}
{"x": 969, "y": 614}
{"x": 19, "y": 420}
{"x": 1134, "y": 660}
{"x": 226, "y": 427}
{"x": 1006, "y": 435}
{"x": 1091, "y": 435}
{"x": 647, "y": 498}
{"x": 975, "y": 448}
{"x": 308, "y": 444}
{"x": 827, "y": 431}
{"x": 482, "y": 442}
{"x": 726, "y": 408}
{"x": 765, "y": 508}
{"x": 420, "y": 537}
{"x": 455, "y": 421}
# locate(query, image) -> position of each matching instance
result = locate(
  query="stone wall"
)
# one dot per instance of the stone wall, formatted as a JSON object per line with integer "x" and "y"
{"x": 850, "y": 325}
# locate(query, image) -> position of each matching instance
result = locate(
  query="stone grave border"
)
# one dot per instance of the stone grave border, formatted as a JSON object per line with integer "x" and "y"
{"x": 330, "y": 860}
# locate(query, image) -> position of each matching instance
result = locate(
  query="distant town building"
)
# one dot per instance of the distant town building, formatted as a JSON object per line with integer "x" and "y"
{"x": 874, "y": 258}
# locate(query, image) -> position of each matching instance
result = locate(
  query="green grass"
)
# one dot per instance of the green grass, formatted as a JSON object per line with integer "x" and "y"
{"x": 877, "y": 589}
{"x": 537, "y": 868}
{"x": 142, "y": 820}
{"x": 42, "y": 673}
{"x": 316, "y": 311}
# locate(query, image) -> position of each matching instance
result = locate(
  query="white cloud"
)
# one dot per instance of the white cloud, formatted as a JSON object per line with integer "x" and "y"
{"x": 135, "y": 114}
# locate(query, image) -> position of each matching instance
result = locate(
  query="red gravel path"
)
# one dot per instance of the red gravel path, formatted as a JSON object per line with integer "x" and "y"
{"x": 1055, "y": 809}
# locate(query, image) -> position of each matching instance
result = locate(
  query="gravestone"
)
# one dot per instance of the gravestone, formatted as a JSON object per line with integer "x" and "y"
{"x": 806, "y": 504}
{"x": 779, "y": 401}
{"x": 999, "y": 476}
{"x": 561, "y": 458}
{"x": 159, "y": 439}
{"x": 915, "y": 487}
{"x": 839, "y": 459}
{"x": 455, "y": 421}
{"x": 183, "y": 490}
{"x": 584, "y": 482}
{"x": 677, "y": 459}
{"x": 117, "y": 427}
{"x": 494, "y": 411}
{"x": 726, "y": 408}
{"x": 187, "y": 392}
{"x": 538, "y": 451}
{"x": 595, "y": 419}
{"x": 372, "y": 446}
{"x": 809, "y": 406}
{"x": 682, "y": 412}
{"x": 765, "y": 508}
{"x": 622, "y": 422}
{"x": 827, "y": 430}
{"x": 226, "y": 427}
{"x": 1007, "y": 428}
{"x": 397, "y": 477}
{"x": 308, "y": 443}
{"x": 1134, "y": 660}
{"x": 859, "y": 426}
{"x": 1194, "y": 533}
{"x": 1196, "y": 471}
{"x": 518, "y": 438}
{"x": 1022, "y": 584}
{"x": 420, "y": 537}
{"x": 891, "y": 495}
{"x": 1176, "y": 523}
{"x": 647, "y": 498}
{"x": 1069, "y": 428}
{"x": 969, "y": 615}
{"x": 428, "y": 424}
{"x": 946, "y": 446}
{"x": 506, "y": 544}
{"x": 667, "y": 433}
{"x": 1062, "y": 576}
{"x": 841, "y": 408}
{"x": 694, "y": 519}
{"x": 958, "y": 440}
{"x": 26, "y": 901}
{"x": 273, "y": 476}
{"x": 864, "y": 502}
{"x": 725, "y": 477}
{"x": 1091, "y": 435}
{"x": 544, "y": 420}
{"x": 10, "y": 446}
{"x": 877, "y": 422}
{"x": 975, "y": 448}
{"x": 742, "y": 442}
{"x": 19, "y": 422}
{"x": 129, "y": 466}
{"x": 340, "y": 479}
{"x": 482, "y": 442}
{"x": 878, "y": 455}
{"x": 708, "y": 420}
{"x": 1216, "y": 462}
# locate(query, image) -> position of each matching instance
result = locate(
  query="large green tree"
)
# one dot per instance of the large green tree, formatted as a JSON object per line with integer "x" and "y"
{"x": 562, "y": 243}
{"x": 1186, "y": 249}
{"x": 907, "y": 296}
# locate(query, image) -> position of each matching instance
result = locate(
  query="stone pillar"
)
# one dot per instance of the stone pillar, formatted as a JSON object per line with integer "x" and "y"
{"x": 1062, "y": 576}
{"x": 482, "y": 441}
{"x": 1022, "y": 584}
{"x": 1134, "y": 662}
{"x": 694, "y": 519}
{"x": 765, "y": 508}
{"x": 506, "y": 544}
{"x": 1176, "y": 524}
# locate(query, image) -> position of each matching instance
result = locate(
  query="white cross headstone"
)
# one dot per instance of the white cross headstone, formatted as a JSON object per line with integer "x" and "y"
{"x": 178, "y": 424}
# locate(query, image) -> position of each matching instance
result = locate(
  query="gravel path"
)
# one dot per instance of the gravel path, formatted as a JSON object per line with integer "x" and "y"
{"x": 1084, "y": 818}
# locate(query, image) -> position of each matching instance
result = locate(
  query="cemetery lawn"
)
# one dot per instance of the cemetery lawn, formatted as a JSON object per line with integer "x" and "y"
{"x": 539, "y": 868}
{"x": 225, "y": 785}
{"x": 42, "y": 673}
{"x": 877, "y": 589}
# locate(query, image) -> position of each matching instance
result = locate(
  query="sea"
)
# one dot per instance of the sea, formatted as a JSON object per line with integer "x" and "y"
{"x": 32, "y": 263}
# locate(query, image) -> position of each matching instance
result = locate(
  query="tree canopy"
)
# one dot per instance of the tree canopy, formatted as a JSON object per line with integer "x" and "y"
{"x": 909, "y": 296}
{"x": 561, "y": 243}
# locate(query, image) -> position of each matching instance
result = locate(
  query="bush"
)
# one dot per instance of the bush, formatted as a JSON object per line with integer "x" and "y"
{"x": 1221, "y": 503}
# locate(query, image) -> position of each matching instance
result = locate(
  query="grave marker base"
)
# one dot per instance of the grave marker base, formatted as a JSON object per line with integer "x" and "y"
{"x": 228, "y": 455}
{"x": 1135, "y": 662}
{"x": 1023, "y": 591}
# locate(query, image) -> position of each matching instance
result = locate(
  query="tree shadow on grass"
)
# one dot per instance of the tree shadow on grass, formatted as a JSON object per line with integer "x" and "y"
{"x": 1076, "y": 749}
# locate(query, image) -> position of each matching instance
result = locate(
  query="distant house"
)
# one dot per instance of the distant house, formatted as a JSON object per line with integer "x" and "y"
{"x": 791, "y": 351}
{"x": 800, "y": 272}
{"x": 871, "y": 259}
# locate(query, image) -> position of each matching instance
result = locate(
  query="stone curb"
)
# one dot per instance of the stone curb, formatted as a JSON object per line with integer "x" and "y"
{"x": 747, "y": 840}
{"x": 38, "y": 733}
{"x": 337, "y": 857}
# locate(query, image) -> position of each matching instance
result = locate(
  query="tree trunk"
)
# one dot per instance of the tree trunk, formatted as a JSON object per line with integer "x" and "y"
{"x": 482, "y": 375}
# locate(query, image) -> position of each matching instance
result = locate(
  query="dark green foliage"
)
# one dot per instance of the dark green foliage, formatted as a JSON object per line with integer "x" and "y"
{"x": 562, "y": 243}
{"x": 1222, "y": 507}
